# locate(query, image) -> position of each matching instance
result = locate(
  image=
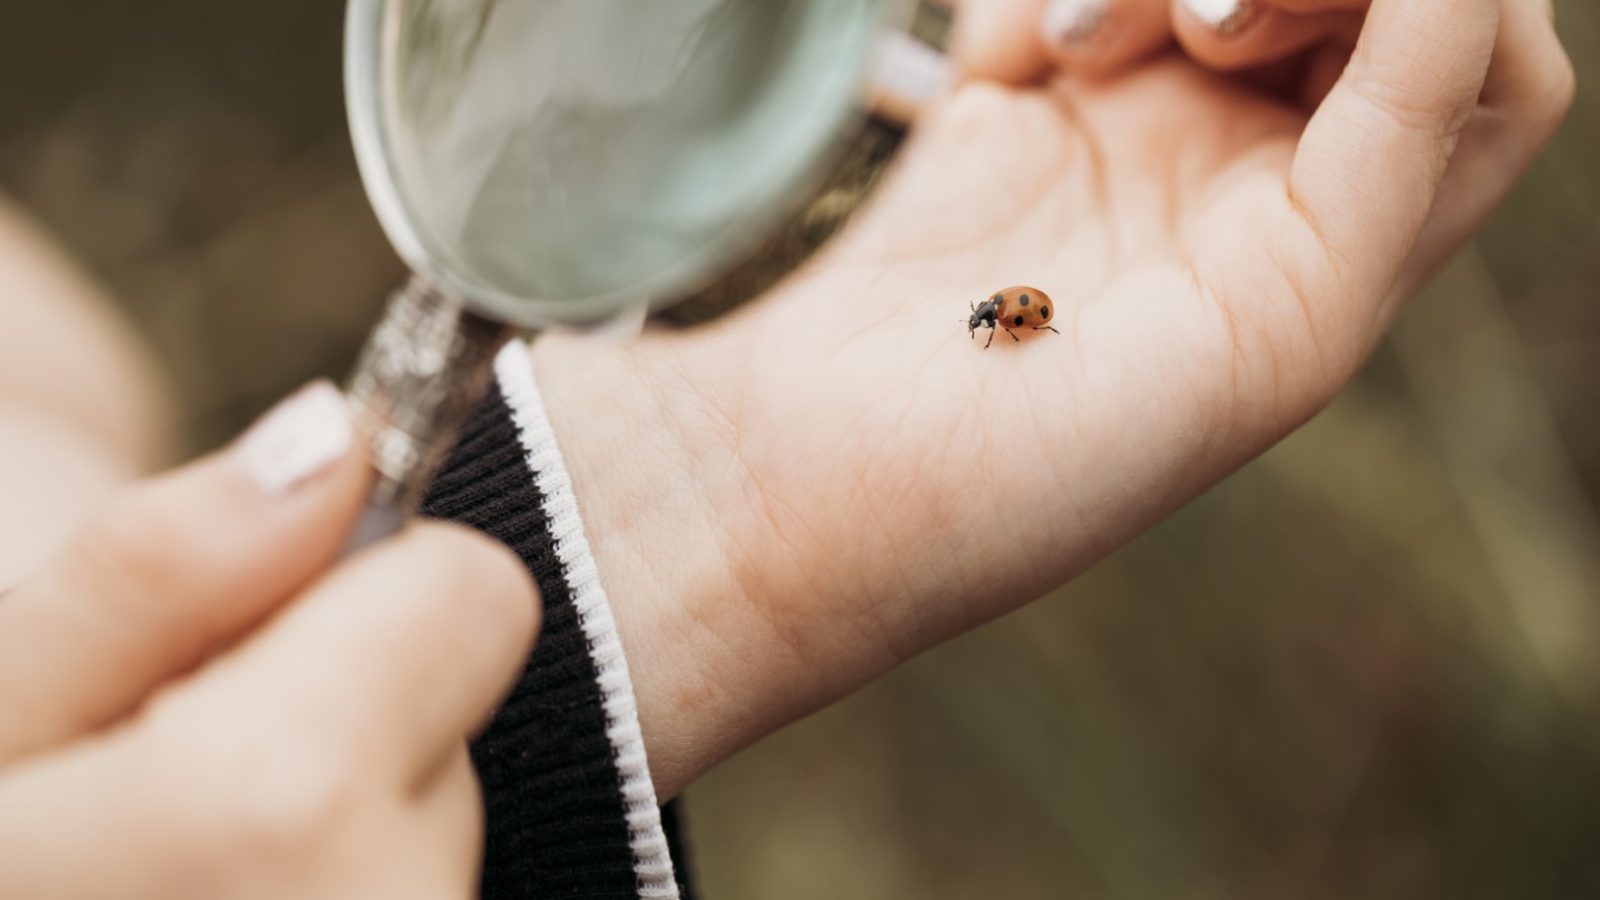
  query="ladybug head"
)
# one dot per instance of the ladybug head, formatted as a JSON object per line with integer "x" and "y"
{"x": 982, "y": 316}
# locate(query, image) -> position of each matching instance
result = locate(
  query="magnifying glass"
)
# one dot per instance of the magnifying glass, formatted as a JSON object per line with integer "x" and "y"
{"x": 542, "y": 163}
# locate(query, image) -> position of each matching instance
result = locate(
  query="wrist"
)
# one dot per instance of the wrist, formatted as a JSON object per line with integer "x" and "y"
{"x": 655, "y": 502}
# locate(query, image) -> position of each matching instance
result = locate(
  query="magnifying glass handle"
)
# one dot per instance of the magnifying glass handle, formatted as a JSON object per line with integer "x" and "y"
{"x": 424, "y": 367}
{"x": 378, "y": 521}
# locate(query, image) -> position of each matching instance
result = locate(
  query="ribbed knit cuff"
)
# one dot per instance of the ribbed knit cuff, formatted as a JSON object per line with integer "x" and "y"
{"x": 572, "y": 811}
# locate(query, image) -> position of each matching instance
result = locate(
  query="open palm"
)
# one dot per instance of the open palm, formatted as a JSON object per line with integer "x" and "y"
{"x": 838, "y": 476}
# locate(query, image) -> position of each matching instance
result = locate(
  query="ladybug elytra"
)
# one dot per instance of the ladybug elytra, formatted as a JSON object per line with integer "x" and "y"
{"x": 1011, "y": 309}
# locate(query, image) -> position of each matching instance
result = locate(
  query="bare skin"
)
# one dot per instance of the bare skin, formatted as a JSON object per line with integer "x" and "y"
{"x": 791, "y": 502}
{"x": 201, "y": 693}
{"x": 83, "y": 408}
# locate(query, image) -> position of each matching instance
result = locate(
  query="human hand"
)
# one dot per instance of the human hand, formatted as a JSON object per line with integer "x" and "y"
{"x": 83, "y": 406}
{"x": 792, "y": 501}
{"x": 198, "y": 699}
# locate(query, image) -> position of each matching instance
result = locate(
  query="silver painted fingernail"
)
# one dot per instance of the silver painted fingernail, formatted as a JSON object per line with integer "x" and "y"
{"x": 299, "y": 438}
{"x": 1070, "y": 22}
{"x": 1224, "y": 16}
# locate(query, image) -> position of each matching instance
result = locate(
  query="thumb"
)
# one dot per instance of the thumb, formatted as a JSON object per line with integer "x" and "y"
{"x": 175, "y": 569}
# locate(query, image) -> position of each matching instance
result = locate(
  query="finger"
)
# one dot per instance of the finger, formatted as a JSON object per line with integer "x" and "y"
{"x": 172, "y": 570}
{"x": 1370, "y": 162}
{"x": 397, "y": 655}
{"x": 1531, "y": 82}
{"x": 1097, "y": 37}
{"x": 1319, "y": 6}
{"x": 1527, "y": 93}
{"x": 169, "y": 819}
{"x": 451, "y": 823}
{"x": 1237, "y": 34}
{"x": 1000, "y": 40}
{"x": 1322, "y": 71}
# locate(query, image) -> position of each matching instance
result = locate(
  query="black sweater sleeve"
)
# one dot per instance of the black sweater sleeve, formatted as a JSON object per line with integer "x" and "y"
{"x": 571, "y": 810}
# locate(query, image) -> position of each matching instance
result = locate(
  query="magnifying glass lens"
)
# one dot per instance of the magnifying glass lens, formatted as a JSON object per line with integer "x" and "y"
{"x": 557, "y": 162}
{"x": 561, "y": 159}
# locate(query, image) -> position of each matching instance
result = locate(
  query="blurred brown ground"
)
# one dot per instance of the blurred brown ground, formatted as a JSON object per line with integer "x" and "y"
{"x": 1365, "y": 667}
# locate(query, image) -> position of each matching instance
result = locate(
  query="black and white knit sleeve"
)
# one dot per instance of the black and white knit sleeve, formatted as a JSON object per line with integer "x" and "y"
{"x": 572, "y": 811}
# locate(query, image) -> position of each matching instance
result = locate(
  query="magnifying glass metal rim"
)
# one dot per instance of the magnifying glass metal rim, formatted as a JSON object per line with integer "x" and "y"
{"x": 362, "y": 87}
{"x": 370, "y": 112}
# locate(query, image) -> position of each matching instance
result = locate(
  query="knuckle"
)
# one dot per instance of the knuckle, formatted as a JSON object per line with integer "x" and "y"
{"x": 1562, "y": 89}
{"x": 1421, "y": 111}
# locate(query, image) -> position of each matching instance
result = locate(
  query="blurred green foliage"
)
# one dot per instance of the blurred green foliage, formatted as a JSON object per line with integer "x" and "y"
{"x": 1367, "y": 666}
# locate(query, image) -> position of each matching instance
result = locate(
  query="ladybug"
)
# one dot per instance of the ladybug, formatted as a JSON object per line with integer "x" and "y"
{"x": 1012, "y": 308}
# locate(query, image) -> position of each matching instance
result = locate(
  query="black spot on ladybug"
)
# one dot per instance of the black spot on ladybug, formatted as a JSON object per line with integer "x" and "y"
{"x": 1044, "y": 311}
{"x": 1019, "y": 321}
{"x": 999, "y": 298}
{"x": 1024, "y": 299}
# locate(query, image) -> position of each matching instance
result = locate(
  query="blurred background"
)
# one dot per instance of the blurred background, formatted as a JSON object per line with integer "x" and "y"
{"x": 1367, "y": 666}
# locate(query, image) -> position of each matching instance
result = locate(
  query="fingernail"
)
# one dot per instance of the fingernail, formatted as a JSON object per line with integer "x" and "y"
{"x": 1224, "y": 16}
{"x": 299, "y": 438}
{"x": 1071, "y": 22}
{"x": 906, "y": 75}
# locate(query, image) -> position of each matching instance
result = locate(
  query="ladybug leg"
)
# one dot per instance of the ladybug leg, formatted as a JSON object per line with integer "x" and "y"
{"x": 1045, "y": 328}
{"x": 991, "y": 339}
{"x": 1013, "y": 335}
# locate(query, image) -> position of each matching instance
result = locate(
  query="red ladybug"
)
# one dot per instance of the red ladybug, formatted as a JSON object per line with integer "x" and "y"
{"x": 1012, "y": 308}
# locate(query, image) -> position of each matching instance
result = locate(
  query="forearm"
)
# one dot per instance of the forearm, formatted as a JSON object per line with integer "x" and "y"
{"x": 650, "y": 515}
{"x": 749, "y": 590}
{"x": 777, "y": 524}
